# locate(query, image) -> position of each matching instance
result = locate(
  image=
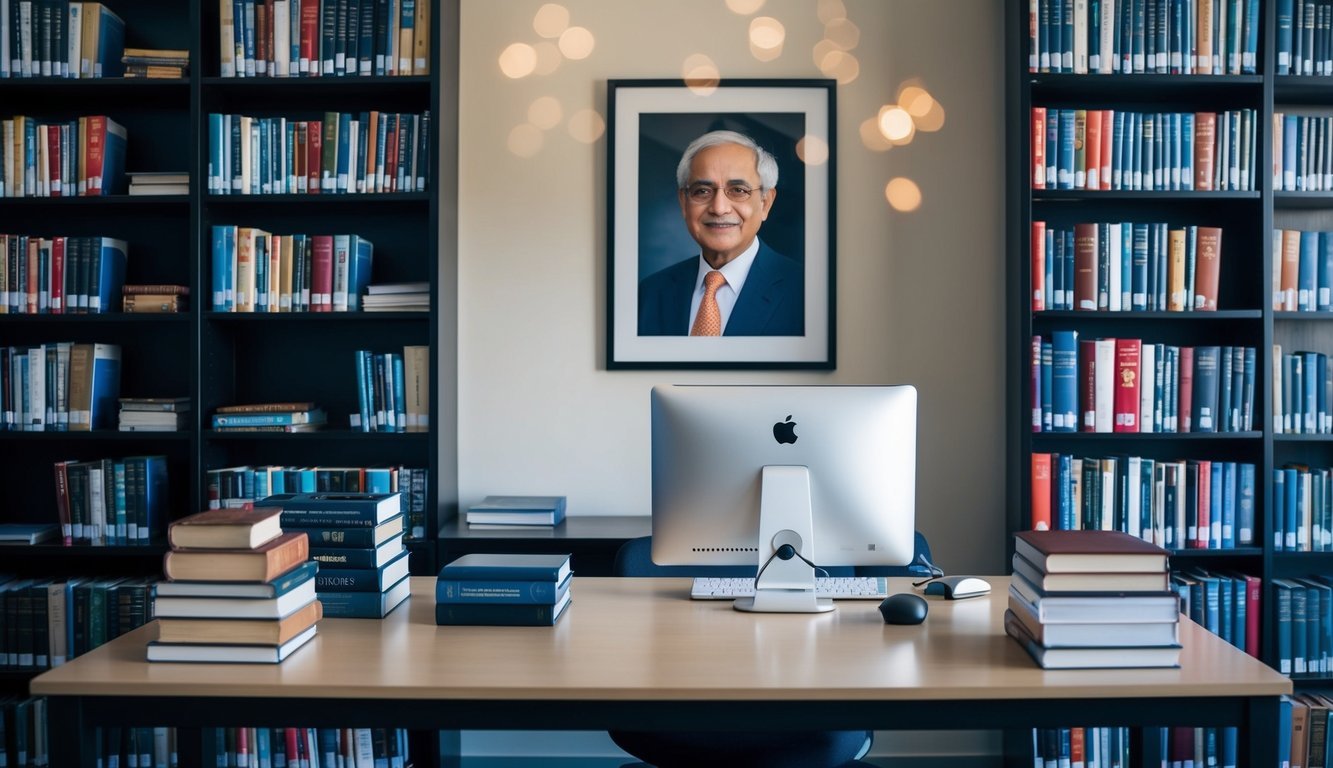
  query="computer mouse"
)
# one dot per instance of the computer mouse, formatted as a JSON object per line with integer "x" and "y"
{"x": 958, "y": 587}
{"x": 904, "y": 608}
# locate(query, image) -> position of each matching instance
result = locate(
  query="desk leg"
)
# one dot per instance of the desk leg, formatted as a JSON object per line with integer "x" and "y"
{"x": 1260, "y": 732}
{"x": 69, "y": 742}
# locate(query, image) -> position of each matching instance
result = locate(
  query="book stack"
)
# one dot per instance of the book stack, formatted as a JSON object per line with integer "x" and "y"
{"x": 357, "y": 539}
{"x": 269, "y": 417}
{"x": 516, "y": 512}
{"x": 156, "y": 63}
{"x": 239, "y": 590}
{"x": 1092, "y": 599}
{"x": 140, "y": 298}
{"x": 154, "y": 414}
{"x": 396, "y": 297}
{"x": 503, "y": 590}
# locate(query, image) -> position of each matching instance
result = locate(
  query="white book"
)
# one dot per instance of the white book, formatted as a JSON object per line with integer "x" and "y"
{"x": 36, "y": 421}
{"x": 228, "y": 653}
{"x": 1147, "y": 366}
{"x": 25, "y": 38}
{"x": 342, "y": 246}
{"x": 5, "y": 61}
{"x": 1119, "y": 298}
{"x": 1104, "y": 385}
{"x": 1080, "y": 37}
{"x": 282, "y": 49}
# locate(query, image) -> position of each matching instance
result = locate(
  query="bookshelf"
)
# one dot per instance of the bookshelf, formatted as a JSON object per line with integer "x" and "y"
{"x": 222, "y": 358}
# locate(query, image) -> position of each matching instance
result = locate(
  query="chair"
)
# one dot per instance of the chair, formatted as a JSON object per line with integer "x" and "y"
{"x": 709, "y": 749}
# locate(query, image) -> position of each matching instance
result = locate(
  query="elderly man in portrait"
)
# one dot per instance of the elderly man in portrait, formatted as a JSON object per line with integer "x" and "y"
{"x": 737, "y": 285}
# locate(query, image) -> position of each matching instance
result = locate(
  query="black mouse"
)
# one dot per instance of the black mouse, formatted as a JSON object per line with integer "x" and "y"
{"x": 904, "y": 608}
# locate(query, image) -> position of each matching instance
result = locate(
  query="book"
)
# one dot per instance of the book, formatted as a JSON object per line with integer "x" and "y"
{"x": 1103, "y": 607}
{"x": 365, "y": 605}
{"x": 521, "y": 510}
{"x": 357, "y": 557}
{"x": 364, "y": 510}
{"x": 363, "y": 579}
{"x": 507, "y": 567}
{"x": 1089, "y": 551}
{"x": 504, "y": 615}
{"x": 236, "y": 607}
{"x": 225, "y": 528}
{"x": 1090, "y": 582}
{"x": 1111, "y": 657}
{"x": 340, "y": 537}
{"x": 154, "y": 404}
{"x": 229, "y": 629}
{"x": 273, "y": 418}
{"x": 265, "y": 407}
{"x": 279, "y": 585}
{"x": 260, "y": 564}
{"x": 505, "y": 592}
{"x": 28, "y": 533}
{"x": 1106, "y": 633}
{"x": 228, "y": 653}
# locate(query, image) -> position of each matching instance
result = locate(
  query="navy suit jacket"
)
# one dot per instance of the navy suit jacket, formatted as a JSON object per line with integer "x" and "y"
{"x": 771, "y": 303}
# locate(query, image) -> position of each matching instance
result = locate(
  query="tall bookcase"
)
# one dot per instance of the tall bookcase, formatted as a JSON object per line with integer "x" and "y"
{"x": 221, "y": 358}
{"x": 1245, "y": 313}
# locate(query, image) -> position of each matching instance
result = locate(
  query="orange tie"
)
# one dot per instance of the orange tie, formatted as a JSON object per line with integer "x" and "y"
{"x": 709, "y": 320}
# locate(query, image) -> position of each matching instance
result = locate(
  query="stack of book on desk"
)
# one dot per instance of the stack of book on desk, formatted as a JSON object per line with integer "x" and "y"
{"x": 239, "y": 589}
{"x": 357, "y": 539}
{"x": 501, "y": 512}
{"x": 1092, "y": 599}
{"x": 503, "y": 590}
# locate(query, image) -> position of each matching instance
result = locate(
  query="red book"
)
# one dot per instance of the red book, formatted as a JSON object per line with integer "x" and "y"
{"x": 1185, "y": 395}
{"x": 1038, "y": 266}
{"x": 314, "y": 154}
{"x": 1126, "y": 404}
{"x": 310, "y": 62}
{"x": 391, "y": 154}
{"x": 1038, "y": 147}
{"x": 1205, "y": 132}
{"x": 1253, "y": 610}
{"x": 321, "y": 274}
{"x": 1093, "y": 141}
{"x": 1085, "y": 266}
{"x": 1041, "y": 491}
{"x": 1087, "y": 380}
{"x": 1207, "y": 269}
{"x": 1291, "y": 265}
{"x": 95, "y": 126}
{"x": 1204, "y": 495}
{"x": 54, "y": 156}
{"x": 262, "y": 37}
{"x": 56, "y": 300}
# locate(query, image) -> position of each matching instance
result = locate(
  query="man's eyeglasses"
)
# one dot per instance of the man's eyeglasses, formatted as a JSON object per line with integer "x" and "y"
{"x": 702, "y": 194}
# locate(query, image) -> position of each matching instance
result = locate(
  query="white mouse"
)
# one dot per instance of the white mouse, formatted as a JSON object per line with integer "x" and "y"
{"x": 958, "y": 587}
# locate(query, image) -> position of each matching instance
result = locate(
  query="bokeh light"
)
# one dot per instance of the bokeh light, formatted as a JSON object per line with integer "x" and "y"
{"x": 700, "y": 74}
{"x": 871, "y": 136}
{"x": 577, "y": 43}
{"x": 549, "y": 58}
{"x": 744, "y": 7}
{"x": 841, "y": 66}
{"x": 767, "y": 32}
{"x": 915, "y": 100}
{"x": 551, "y": 20}
{"x": 545, "y": 113}
{"x": 518, "y": 60}
{"x": 829, "y": 11}
{"x": 903, "y": 194}
{"x": 812, "y": 150}
{"x": 822, "y": 49}
{"x": 526, "y": 140}
{"x": 765, "y": 54}
{"x": 586, "y": 126}
{"x": 932, "y": 120}
{"x": 895, "y": 123}
{"x": 842, "y": 33}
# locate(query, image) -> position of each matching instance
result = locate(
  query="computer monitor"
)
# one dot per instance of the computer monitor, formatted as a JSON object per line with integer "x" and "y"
{"x": 738, "y": 471}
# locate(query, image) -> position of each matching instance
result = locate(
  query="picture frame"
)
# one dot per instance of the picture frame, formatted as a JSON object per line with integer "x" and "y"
{"x": 650, "y": 124}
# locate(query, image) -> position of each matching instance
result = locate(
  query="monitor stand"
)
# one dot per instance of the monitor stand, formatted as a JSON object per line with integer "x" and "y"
{"x": 785, "y": 517}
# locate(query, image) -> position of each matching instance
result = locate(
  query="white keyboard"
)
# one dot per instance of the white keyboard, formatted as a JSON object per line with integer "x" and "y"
{"x": 836, "y": 587}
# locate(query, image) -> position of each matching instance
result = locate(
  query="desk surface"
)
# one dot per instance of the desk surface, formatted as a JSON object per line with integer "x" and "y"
{"x": 644, "y": 639}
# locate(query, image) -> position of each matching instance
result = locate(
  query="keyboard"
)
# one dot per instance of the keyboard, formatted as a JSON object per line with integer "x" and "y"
{"x": 836, "y": 587}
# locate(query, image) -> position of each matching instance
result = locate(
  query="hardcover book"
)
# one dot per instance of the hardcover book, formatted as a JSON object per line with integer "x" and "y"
{"x": 364, "y": 510}
{"x": 1051, "y": 583}
{"x": 363, "y": 579}
{"x": 279, "y": 585}
{"x": 228, "y": 653}
{"x": 500, "y": 614}
{"x": 225, "y": 528}
{"x": 334, "y": 537}
{"x": 365, "y": 605}
{"x": 507, "y": 592}
{"x": 230, "y": 629}
{"x": 507, "y": 567}
{"x": 235, "y": 607}
{"x": 1111, "y": 657}
{"x": 1106, "y": 633}
{"x": 260, "y": 564}
{"x": 1089, "y": 552}
{"x": 1095, "y": 607}
{"x": 356, "y": 557}
{"x": 28, "y": 533}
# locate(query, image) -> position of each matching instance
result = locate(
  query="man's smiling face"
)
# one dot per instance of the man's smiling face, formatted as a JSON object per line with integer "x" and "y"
{"x": 724, "y": 227}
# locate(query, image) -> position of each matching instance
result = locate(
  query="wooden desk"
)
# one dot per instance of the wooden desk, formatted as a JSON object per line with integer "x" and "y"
{"x": 637, "y": 653}
{"x": 592, "y": 541}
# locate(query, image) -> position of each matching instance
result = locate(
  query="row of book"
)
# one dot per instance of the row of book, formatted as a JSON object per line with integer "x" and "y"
{"x": 154, "y": 414}
{"x": 112, "y": 502}
{"x": 62, "y": 274}
{"x": 1303, "y": 729}
{"x": 1302, "y": 387}
{"x": 1175, "y": 37}
{"x": 1226, "y": 603}
{"x": 298, "y": 417}
{"x": 344, "y": 153}
{"x": 60, "y": 38}
{"x": 393, "y": 390}
{"x": 1107, "y": 149}
{"x": 1125, "y": 267}
{"x": 1301, "y": 152}
{"x": 504, "y": 590}
{"x": 1081, "y": 747}
{"x": 49, "y": 621}
{"x": 59, "y": 387}
{"x": 1304, "y": 617}
{"x": 1129, "y": 385}
{"x": 238, "y": 486}
{"x": 310, "y": 747}
{"x": 1302, "y": 509}
{"x": 256, "y": 271}
{"x": 310, "y": 38}
{"x": 1190, "y": 504}
{"x": 62, "y": 158}
{"x": 1302, "y": 271}
{"x": 1304, "y": 37}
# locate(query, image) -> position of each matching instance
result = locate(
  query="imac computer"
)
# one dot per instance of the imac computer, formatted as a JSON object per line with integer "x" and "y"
{"x": 785, "y": 479}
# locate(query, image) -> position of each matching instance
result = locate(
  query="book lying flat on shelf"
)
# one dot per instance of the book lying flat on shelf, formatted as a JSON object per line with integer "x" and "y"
{"x": 260, "y": 564}
{"x": 502, "y": 614}
{"x": 1116, "y": 657}
{"x": 265, "y": 407}
{"x": 28, "y": 533}
{"x": 518, "y": 510}
{"x": 235, "y": 607}
{"x": 212, "y": 630}
{"x": 507, "y": 567}
{"x": 279, "y": 585}
{"x": 228, "y": 653}
{"x": 226, "y": 528}
{"x": 1089, "y": 552}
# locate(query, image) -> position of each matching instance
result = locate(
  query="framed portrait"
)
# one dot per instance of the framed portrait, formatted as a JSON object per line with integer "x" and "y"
{"x": 674, "y": 223}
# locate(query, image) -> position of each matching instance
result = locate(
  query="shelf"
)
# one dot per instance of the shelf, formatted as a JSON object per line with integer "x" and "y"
{"x": 1175, "y": 317}
{"x": 1303, "y": 317}
{"x": 1164, "y": 87}
{"x": 324, "y": 435}
{"x": 1209, "y": 554}
{"x": 1283, "y": 437}
{"x": 133, "y": 318}
{"x": 1166, "y": 436}
{"x": 1105, "y": 195}
{"x": 104, "y": 435}
{"x": 99, "y": 202}
{"x": 1302, "y": 200}
{"x": 315, "y": 317}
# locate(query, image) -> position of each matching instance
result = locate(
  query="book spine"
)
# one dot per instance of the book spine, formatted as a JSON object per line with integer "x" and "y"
{"x": 499, "y": 592}
{"x": 497, "y": 615}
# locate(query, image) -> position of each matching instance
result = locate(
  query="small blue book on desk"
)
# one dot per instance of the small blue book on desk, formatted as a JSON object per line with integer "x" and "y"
{"x": 506, "y": 567}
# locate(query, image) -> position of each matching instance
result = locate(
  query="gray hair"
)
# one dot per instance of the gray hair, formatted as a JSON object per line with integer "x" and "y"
{"x": 768, "y": 167}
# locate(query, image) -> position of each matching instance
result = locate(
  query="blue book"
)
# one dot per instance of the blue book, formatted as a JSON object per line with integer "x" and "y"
{"x": 284, "y": 418}
{"x": 1203, "y": 417}
{"x": 1307, "y": 272}
{"x": 363, "y": 579}
{"x": 280, "y": 585}
{"x": 1046, "y": 382}
{"x": 1067, "y": 258}
{"x": 508, "y": 592}
{"x": 110, "y": 42}
{"x": 361, "y": 257}
{"x": 344, "y": 152}
{"x": 508, "y": 567}
{"x": 1118, "y": 150}
{"x": 1067, "y": 36}
{"x": 1065, "y": 148}
{"x": 364, "y": 510}
{"x": 500, "y": 614}
{"x": 1229, "y": 496}
{"x": 1284, "y": 18}
{"x": 365, "y": 605}
{"x": 1249, "y": 58}
{"x": 1294, "y": 535}
{"x": 147, "y": 488}
{"x": 1052, "y": 146}
{"x": 1064, "y": 381}
{"x": 357, "y": 557}
{"x": 399, "y": 392}
{"x": 343, "y": 537}
{"x": 107, "y": 273}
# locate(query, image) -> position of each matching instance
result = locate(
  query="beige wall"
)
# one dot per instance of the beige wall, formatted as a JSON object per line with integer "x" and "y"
{"x": 919, "y": 295}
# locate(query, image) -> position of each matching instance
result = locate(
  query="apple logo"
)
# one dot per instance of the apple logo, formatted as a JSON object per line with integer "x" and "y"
{"x": 785, "y": 431}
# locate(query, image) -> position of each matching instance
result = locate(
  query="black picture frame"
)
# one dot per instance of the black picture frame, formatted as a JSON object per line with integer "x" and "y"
{"x": 650, "y": 122}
